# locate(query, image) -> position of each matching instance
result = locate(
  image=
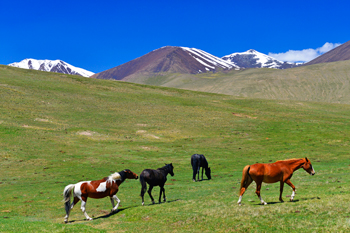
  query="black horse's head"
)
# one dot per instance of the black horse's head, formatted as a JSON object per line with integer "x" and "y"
{"x": 208, "y": 173}
{"x": 170, "y": 168}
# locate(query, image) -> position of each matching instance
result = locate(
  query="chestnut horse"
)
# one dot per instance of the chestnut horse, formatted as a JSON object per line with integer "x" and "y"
{"x": 281, "y": 171}
{"x": 107, "y": 186}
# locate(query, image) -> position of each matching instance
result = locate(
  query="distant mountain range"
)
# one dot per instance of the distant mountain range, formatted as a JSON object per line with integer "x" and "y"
{"x": 191, "y": 61}
{"x": 182, "y": 60}
{"x": 57, "y": 66}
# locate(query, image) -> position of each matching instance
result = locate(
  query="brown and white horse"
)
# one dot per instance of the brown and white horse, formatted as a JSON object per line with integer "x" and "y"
{"x": 107, "y": 186}
{"x": 281, "y": 171}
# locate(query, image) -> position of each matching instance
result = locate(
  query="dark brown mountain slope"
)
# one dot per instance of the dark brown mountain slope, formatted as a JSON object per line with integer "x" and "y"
{"x": 166, "y": 59}
{"x": 340, "y": 53}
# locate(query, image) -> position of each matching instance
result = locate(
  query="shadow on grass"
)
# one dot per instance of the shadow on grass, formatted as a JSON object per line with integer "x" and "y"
{"x": 116, "y": 212}
{"x": 163, "y": 202}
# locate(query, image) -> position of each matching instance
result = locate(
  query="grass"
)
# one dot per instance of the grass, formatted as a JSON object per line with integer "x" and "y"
{"x": 58, "y": 129}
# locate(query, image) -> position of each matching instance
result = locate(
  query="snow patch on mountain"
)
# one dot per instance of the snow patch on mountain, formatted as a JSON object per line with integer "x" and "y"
{"x": 57, "y": 66}
{"x": 208, "y": 60}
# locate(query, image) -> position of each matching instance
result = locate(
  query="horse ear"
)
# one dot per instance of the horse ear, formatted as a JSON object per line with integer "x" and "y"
{"x": 306, "y": 160}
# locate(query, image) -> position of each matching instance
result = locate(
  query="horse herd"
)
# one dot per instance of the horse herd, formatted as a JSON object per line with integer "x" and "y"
{"x": 281, "y": 171}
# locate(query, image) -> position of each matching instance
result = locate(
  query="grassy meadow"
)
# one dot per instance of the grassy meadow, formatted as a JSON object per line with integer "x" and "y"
{"x": 59, "y": 129}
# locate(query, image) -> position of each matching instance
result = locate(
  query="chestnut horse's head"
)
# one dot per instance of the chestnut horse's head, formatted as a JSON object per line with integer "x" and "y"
{"x": 308, "y": 167}
{"x": 130, "y": 175}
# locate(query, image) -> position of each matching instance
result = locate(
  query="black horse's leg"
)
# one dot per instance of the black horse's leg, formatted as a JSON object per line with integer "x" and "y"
{"x": 150, "y": 193}
{"x": 160, "y": 193}
{"x": 194, "y": 173}
{"x": 164, "y": 198}
{"x": 202, "y": 172}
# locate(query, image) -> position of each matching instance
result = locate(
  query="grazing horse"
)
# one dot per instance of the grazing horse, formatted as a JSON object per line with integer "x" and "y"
{"x": 281, "y": 171}
{"x": 197, "y": 162}
{"x": 107, "y": 186}
{"x": 155, "y": 178}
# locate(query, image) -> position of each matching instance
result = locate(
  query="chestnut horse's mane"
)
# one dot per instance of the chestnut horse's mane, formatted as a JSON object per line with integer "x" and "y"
{"x": 285, "y": 160}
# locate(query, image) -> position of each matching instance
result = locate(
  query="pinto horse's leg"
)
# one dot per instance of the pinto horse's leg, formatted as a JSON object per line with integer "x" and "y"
{"x": 117, "y": 200}
{"x": 150, "y": 193}
{"x": 293, "y": 187}
{"x": 281, "y": 190}
{"x": 69, "y": 207}
{"x": 258, "y": 187}
{"x": 83, "y": 204}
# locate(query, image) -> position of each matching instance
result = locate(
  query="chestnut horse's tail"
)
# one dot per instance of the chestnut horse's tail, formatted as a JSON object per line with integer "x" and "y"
{"x": 246, "y": 179}
{"x": 67, "y": 193}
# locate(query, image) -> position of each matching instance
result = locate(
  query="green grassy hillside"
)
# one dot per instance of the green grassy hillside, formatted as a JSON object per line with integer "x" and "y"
{"x": 58, "y": 129}
{"x": 327, "y": 82}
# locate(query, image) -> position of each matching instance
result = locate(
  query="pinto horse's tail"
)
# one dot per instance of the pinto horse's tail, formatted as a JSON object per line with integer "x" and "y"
{"x": 67, "y": 193}
{"x": 246, "y": 179}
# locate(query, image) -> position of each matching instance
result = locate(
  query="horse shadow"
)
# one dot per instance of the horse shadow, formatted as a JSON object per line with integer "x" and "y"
{"x": 157, "y": 203}
{"x": 277, "y": 202}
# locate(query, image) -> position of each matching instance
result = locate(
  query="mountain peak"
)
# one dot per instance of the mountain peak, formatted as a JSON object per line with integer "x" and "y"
{"x": 57, "y": 66}
{"x": 254, "y": 59}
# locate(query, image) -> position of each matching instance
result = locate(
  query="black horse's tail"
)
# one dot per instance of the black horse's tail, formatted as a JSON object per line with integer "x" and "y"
{"x": 143, "y": 184}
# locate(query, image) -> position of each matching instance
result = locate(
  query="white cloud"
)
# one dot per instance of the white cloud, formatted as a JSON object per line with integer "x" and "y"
{"x": 304, "y": 55}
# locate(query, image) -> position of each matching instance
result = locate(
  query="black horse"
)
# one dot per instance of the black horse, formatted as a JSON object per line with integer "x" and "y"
{"x": 155, "y": 178}
{"x": 198, "y": 161}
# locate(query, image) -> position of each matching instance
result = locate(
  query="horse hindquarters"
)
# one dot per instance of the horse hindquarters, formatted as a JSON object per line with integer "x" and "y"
{"x": 143, "y": 187}
{"x": 245, "y": 182}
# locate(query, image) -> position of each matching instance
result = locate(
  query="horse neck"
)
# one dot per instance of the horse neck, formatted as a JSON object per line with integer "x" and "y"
{"x": 295, "y": 163}
{"x": 165, "y": 170}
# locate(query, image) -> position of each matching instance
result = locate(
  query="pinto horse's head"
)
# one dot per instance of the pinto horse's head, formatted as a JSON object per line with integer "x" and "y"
{"x": 130, "y": 175}
{"x": 308, "y": 167}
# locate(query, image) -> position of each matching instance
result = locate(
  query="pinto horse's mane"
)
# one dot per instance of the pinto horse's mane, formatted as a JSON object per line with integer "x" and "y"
{"x": 114, "y": 176}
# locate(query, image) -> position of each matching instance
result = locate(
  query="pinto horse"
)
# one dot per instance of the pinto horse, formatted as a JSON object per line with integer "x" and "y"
{"x": 281, "y": 171}
{"x": 155, "y": 178}
{"x": 199, "y": 161}
{"x": 107, "y": 186}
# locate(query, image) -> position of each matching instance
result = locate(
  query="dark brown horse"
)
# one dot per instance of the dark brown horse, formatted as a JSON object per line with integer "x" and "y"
{"x": 281, "y": 171}
{"x": 155, "y": 178}
{"x": 107, "y": 186}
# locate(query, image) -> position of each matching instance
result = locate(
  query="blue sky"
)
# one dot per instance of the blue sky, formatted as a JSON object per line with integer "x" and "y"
{"x": 99, "y": 35}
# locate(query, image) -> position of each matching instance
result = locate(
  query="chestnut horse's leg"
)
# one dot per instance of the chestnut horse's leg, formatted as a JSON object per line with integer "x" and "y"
{"x": 293, "y": 187}
{"x": 83, "y": 204}
{"x": 246, "y": 181}
{"x": 281, "y": 190}
{"x": 258, "y": 187}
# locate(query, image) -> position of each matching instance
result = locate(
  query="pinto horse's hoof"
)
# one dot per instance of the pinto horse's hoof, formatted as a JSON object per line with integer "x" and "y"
{"x": 143, "y": 203}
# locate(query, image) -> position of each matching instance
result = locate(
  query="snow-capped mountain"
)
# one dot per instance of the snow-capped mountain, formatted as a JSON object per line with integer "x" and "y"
{"x": 57, "y": 66}
{"x": 168, "y": 59}
{"x": 208, "y": 60}
{"x": 255, "y": 59}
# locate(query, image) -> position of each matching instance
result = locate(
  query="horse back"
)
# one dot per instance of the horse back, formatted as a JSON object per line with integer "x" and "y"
{"x": 198, "y": 160}
{"x": 268, "y": 173}
{"x": 153, "y": 177}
